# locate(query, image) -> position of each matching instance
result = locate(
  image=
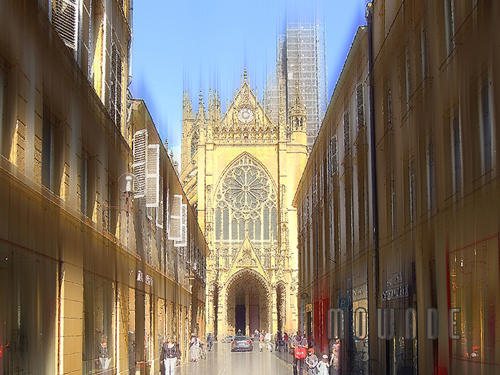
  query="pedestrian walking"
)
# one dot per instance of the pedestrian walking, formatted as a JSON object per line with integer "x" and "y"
{"x": 170, "y": 356}
{"x": 285, "y": 338}
{"x": 323, "y": 366}
{"x": 298, "y": 342}
{"x": 335, "y": 358}
{"x": 261, "y": 341}
{"x": 269, "y": 344}
{"x": 210, "y": 341}
{"x": 194, "y": 348}
{"x": 311, "y": 362}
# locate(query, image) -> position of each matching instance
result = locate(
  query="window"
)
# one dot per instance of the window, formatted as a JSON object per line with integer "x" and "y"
{"x": 247, "y": 198}
{"x": 408, "y": 80}
{"x": 449, "y": 25}
{"x": 389, "y": 110}
{"x": 194, "y": 145}
{"x": 423, "y": 48}
{"x": 332, "y": 161}
{"x": 140, "y": 153}
{"x": 457, "y": 155}
{"x": 430, "y": 175}
{"x": 486, "y": 129}
{"x": 116, "y": 84}
{"x": 47, "y": 151}
{"x": 411, "y": 174}
{"x": 65, "y": 20}
{"x": 347, "y": 142}
{"x": 84, "y": 182}
{"x": 393, "y": 201}
{"x": 360, "y": 106}
{"x": 98, "y": 317}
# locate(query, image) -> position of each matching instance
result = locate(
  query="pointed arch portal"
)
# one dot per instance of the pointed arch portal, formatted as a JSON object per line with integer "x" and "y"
{"x": 248, "y": 302}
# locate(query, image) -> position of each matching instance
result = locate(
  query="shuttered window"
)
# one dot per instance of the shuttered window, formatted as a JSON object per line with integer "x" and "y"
{"x": 140, "y": 158}
{"x": 152, "y": 176}
{"x": 175, "y": 230}
{"x": 116, "y": 84}
{"x": 486, "y": 129}
{"x": 159, "y": 211}
{"x": 457, "y": 155}
{"x": 183, "y": 240}
{"x": 65, "y": 21}
{"x": 347, "y": 141}
{"x": 360, "y": 106}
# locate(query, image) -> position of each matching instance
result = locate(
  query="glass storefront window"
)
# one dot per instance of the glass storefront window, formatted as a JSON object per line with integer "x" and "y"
{"x": 28, "y": 312}
{"x": 98, "y": 319}
{"x": 474, "y": 289}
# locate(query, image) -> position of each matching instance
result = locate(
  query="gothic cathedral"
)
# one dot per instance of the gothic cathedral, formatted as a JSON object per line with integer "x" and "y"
{"x": 240, "y": 171}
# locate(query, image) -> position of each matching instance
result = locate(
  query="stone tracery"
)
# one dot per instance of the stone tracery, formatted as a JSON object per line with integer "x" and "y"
{"x": 246, "y": 201}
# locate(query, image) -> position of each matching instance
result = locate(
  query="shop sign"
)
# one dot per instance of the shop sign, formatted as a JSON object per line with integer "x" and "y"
{"x": 395, "y": 293}
{"x": 309, "y": 307}
{"x": 140, "y": 277}
{"x": 395, "y": 289}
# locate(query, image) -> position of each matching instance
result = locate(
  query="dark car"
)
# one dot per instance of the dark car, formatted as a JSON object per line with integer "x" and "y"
{"x": 241, "y": 343}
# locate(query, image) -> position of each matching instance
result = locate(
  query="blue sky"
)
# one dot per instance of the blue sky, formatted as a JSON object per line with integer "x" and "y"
{"x": 195, "y": 45}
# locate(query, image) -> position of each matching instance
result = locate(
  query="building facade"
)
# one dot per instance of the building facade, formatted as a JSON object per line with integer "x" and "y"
{"x": 240, "y": 170}
{"x": 332, "y": 207}
{"x": 433, "y": 218}
{"x": 300, "y": 60}
{"x": 92, "y": 280}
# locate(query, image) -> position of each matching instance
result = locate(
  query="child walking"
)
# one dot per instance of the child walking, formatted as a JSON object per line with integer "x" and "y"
{"x": 323, "y": 366}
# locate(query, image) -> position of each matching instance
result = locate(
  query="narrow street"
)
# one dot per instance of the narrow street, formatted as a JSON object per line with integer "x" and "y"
{"x": 221, "y": 361}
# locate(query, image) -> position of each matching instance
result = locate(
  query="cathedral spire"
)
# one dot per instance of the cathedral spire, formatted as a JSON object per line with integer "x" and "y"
{"x": 201, "y": 108}
{"x": 187, "y": 106}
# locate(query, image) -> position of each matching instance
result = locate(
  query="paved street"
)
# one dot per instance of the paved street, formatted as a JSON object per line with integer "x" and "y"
{"x": 222, "y": 362}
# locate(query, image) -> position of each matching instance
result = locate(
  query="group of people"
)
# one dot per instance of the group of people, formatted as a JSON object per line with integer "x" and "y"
{"x": 311, "y": 363}
{"x": 171, "y": 354}
{"x": 266, "y": 340}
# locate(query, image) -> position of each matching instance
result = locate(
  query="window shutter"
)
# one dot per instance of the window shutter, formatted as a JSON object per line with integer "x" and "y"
{"x": 175, "y": 230}
{"x": 167, "y": 211}
{"x": 360, "y": 106}
{"x": 116, "y": 84}
{"x": 140, "y": 159}
{"x": 152, "y": 176}
{"x": 347, "y": 130}
{"x": 183, "y": 241}
{"x": 65, "y": 21}
{"x": 159, "y": 211}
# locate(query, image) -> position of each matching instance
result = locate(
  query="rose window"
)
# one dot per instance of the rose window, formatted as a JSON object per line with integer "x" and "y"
{"x": 245, "y": 188}
{"x": 246, "y": 203}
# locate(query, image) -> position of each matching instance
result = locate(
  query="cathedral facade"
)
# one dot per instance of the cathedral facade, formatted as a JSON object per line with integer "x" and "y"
{"x": 240, "y": 170}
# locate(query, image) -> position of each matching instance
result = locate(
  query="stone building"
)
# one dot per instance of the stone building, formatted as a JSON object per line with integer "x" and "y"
{"x": 92, "y": 276}
{"x": 240, "y": 171}
{"x": 431, "y": 225}
{"x": 332, "y": 203}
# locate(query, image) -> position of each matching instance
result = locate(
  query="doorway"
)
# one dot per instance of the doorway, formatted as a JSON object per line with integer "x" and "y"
{"x": 240, "y": 319}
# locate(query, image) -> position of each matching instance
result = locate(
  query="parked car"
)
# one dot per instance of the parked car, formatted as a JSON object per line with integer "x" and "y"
{"x": 241, "y": 343}
{"x": 227, "y": 339}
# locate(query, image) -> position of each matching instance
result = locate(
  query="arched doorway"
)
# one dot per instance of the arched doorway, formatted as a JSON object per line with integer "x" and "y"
{"x": 247, "y": 302}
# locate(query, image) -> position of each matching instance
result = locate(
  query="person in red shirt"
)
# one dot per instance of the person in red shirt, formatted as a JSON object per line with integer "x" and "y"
{"x": 298, "y": 364}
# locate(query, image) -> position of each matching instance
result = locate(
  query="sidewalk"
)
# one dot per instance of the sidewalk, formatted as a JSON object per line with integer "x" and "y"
{"x": 285, "y": 356}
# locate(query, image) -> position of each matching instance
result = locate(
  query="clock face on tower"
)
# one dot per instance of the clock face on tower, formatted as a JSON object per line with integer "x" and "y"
{"x": 245, "y": 115}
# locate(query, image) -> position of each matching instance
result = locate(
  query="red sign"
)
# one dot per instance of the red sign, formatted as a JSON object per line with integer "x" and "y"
{"x": 1, "y": 351}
